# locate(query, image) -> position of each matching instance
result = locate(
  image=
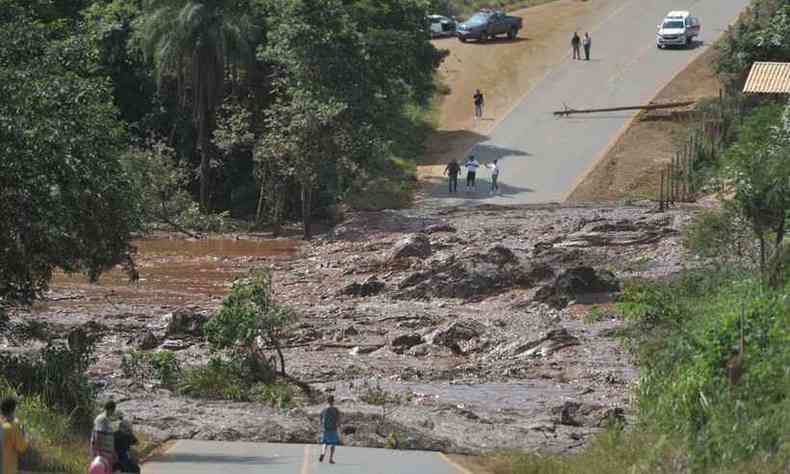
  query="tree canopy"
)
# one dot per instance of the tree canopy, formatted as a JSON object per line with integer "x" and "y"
{"x": 64, "y": 199}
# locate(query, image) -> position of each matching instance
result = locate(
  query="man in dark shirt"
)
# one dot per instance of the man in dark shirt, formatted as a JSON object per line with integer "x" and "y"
{"x": 479, "y": 101}
{"x": 124, "y": 440}
{"x": 575, "y": 43}
{"x": 330, "y": 420}
{"x": 452, "y": 170}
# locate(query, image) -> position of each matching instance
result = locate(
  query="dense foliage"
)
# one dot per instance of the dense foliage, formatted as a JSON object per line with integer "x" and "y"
{"x": 64, "y": 199}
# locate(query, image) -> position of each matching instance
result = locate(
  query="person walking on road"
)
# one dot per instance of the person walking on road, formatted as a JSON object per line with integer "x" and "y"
{"x": 124, "y": 440}
{"x": 13, "y": 441}
{"x": 330, "y": 420}
{"x": 575, "y": 43}
{"x": 494, "y": 176}
{"x": 479, "y": 102}
{"x": 587, "y": 42}
{"x": 103, "y": 435}
{"x": 471, "y": 172}
{"x": 452, "y": 170}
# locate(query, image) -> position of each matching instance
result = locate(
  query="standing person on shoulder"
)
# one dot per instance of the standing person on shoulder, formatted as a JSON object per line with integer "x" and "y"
{"x": 452, "y": 170}
{"x": 587, "y": 42}
{"x": 13, "y": 441}
{"x": 471, "y": 172}
{"x": 103, "y": 435}
{"x": 494, "y": 176}
{"x": 124, "y": 440}
{"x": 479, "y": 102}
{"x": 330, "y": 421}
{"x": 575, "y": 43}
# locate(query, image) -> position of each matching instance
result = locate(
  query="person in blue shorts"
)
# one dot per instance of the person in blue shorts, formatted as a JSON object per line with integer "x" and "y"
{"x": 330, "y": 420}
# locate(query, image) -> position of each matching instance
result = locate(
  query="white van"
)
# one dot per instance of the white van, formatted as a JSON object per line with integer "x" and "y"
{"x": 679, "y": 28}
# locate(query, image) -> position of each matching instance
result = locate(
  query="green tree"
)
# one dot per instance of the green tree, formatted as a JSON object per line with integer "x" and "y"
{"x": 65, "y": 201}
{"x": 759, "y": 168}
{"x": 197, "y": 43}
{"x": 248, "y": 315}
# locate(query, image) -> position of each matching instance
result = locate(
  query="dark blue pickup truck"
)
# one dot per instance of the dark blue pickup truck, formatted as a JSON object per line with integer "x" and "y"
{"x": 488, "y": 24}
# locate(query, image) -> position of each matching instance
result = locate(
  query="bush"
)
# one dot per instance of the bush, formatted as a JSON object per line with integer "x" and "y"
{"x": 722, "y": 235}
{"x": 144, "y": 366}
{"x": 219, "y": 380}
{"x": 54, "y": 446}
{"x": 56, "y": 374}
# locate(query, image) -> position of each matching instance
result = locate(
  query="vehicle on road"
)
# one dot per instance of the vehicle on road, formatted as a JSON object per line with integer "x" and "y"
{"x": 441, "y": 26}
{"x": 679, "y": 28}
{"x": 487, "y": 25}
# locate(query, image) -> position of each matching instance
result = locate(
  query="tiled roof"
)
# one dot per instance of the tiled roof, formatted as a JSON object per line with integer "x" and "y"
{"x": 768, "y": 78}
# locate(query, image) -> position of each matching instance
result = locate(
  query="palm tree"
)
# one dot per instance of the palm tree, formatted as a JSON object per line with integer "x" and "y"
{"x": 197, "y": 42}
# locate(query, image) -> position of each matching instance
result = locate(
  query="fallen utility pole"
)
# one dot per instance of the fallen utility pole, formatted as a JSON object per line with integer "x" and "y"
{"x": 670, "y": 105}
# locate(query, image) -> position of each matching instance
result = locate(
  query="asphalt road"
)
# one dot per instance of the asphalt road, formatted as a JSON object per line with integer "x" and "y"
{"x": 209, "y": 457}
{"x": 542, "y": 157}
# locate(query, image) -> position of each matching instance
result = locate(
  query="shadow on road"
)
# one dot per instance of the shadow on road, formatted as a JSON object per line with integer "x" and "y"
{"x": 219, "y": 459}
{"x": 483, "y": 186}
{"x": 445, "y": 145}
{"x": 486, "y": 152}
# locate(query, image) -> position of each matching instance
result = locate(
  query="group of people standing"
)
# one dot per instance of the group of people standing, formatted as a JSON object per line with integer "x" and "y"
{"x": 577, "y": 43}
{"x": 453, "y": 169}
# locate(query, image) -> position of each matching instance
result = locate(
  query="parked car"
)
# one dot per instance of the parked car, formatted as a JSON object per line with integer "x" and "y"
{"x": 679, "y": 28}
{"x": 441, "y": 26}
{"x": 488, "y": 24}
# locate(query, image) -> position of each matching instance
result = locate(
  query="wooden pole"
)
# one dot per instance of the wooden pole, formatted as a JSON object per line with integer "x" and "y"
{"x": 569, "y": 111}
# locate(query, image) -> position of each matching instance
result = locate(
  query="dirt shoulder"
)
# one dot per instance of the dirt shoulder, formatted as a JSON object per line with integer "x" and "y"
{"x": 504, "y": 71}
{"x": 631, "y": 168}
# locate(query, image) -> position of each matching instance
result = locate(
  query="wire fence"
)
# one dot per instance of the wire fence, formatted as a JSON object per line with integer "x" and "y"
{"x": 710, "y": 127}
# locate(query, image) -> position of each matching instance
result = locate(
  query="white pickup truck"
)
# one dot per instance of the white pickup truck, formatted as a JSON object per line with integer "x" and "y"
{"x": 679, "y": 28}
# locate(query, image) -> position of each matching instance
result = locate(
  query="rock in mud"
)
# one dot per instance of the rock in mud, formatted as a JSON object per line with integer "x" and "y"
{"x": 456, "y": 334}
{"x": 405, "y": 342}
{"x": 434, "y": 228}
{"x": 147, "y": 341}
{"x": 370, "y": 287}
{"x": 575, "y": 283}
{"x": 185, "y": 322}
{"x": 551, "y": 342}
{"x": 474, "y": 276}
{"x": 416, "y": 245}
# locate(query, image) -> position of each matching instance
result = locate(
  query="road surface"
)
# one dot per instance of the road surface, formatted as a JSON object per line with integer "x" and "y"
{"x": 209, "y": 457}
{"x": 543, "y": 157}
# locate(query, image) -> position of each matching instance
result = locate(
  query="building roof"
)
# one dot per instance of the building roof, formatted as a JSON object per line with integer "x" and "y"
{"x": 768, "y": 78}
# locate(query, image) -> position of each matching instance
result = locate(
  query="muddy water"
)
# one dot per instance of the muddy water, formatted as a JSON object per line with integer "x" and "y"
{"x": 176, "y": 272}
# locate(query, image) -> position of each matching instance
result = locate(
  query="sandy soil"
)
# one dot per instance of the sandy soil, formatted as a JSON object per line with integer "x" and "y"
{"x": 630, "y": 169}
{"x": 504, "y": 71}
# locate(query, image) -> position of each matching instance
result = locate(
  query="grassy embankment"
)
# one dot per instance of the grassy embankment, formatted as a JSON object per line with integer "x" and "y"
{"x": 55, "y": 445}
{"x": 695, "y": 412}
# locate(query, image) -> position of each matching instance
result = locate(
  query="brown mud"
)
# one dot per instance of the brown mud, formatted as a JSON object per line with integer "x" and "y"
{"x": 474, "y": 316}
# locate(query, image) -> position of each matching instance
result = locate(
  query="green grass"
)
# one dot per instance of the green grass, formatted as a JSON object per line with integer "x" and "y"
{"x": 55, "y": 445}
{"x": 691, "y": 417}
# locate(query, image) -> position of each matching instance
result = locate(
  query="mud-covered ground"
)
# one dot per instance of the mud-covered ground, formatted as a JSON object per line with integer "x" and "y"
{"x": 475, "y": 317}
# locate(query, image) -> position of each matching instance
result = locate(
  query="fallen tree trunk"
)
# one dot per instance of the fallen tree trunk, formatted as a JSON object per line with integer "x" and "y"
{"x": 670, "y": 105}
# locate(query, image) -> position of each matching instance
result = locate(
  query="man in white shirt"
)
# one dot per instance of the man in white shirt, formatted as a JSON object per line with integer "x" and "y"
{"x": 471, "y": 172}
{"x": 494, "y": 176}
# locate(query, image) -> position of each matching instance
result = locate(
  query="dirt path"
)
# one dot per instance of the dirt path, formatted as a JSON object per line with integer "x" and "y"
{"x": 630, "y": 170}
{"x": 504, "y": 70}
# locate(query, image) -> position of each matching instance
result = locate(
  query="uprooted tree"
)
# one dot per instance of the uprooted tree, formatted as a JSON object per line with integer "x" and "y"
{"x": 250, "y": 321}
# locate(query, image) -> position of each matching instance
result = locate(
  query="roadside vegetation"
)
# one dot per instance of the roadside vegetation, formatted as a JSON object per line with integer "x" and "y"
{"x": 465, "y": 8}
{"x": 713, "y": 343}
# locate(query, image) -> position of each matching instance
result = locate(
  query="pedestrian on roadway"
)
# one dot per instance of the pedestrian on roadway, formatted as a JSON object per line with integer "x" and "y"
{"x": 452, "y": 170}
{"x": 479, "y": 102}
{"x": 103, "y": 435}
{"x": 124, "y": 440}
{"x": 471, "y": 172}
{"x": 330, "y": 421}
{"x": 575, "y": 42}
{"x": 494, "y": 176}
{"x": 587, "y": 42}
{"x": 13, "y": 441}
